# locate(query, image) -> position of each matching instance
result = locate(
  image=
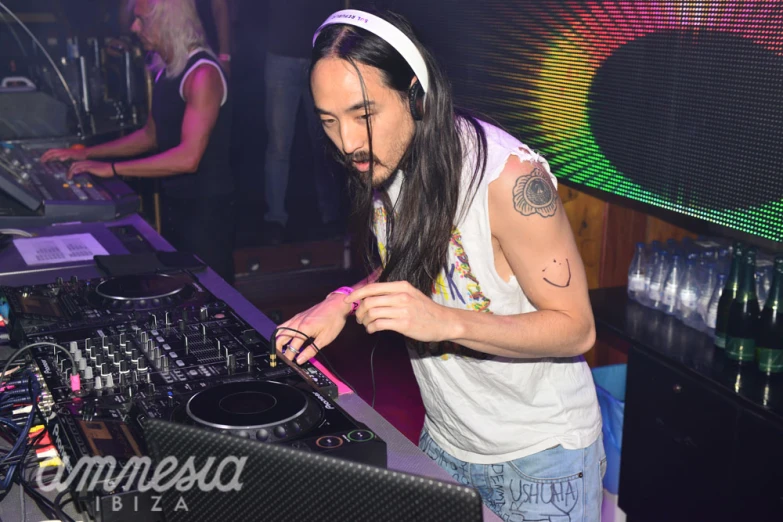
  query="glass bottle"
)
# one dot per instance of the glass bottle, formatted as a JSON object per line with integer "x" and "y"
{"x": 769, "y": 341}
{"x": 706, "y": 289}
{"x": 636, "y": 274}
{"x": 744, "y": 314}
{"x": 712, "y": 308}
{"x": 657, "y": 280}
{"x": 671, "y": 286}
{"x": 688, "y": 295}
{"x": 728, "y": 295}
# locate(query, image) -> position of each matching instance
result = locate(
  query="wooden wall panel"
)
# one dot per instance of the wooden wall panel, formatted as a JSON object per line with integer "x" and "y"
{"x": 660, "y": 230}
{"x": 623, "y": 228}
{"x": 586, "y": 215}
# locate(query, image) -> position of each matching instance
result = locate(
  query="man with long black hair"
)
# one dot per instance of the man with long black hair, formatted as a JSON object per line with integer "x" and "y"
{"x": 479, "y": 271}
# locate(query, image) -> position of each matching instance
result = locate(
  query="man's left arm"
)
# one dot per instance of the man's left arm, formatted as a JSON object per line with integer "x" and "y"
{"x": 529, "y": 223}
{"x": 203, "y": 91}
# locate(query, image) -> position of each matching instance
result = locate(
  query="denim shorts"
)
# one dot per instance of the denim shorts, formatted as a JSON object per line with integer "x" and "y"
{"x": 554, "y": 485}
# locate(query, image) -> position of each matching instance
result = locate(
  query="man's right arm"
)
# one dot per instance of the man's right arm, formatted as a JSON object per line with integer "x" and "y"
{"x": 134, "y": 144}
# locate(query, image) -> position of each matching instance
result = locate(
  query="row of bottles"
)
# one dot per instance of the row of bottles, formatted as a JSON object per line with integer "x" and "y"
{"x": 699, "y": 282}
{"x": 745, "y": 331}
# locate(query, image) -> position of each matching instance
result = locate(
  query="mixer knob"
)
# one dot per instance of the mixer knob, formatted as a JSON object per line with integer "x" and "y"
{"x": 109, "y": 381}
{"x": 73, "y": 346}
{"x": 124, "y": 367}
{"x": 88, "y": 373}
{"x": 77, "y": 355}
{"x": 204, "y": 331}
{"x": 187, "y": 349}
{"x": 104, "y": 341}
{"x": 185, "y": 316}
{"x": 99, "y": 359}
{"x": 59, "y": 281}
{"x": 134, "y": 354}
{"x": 116, "y": 358}
{"x": 105, "y": 369}
{"x": 164, "y": 364}
{"x": 98, "y": 383}
{"x": 134, "y": 377}
{"x": 123, "y": 340}
{"x": 203, "y": 313}
{"x": 231, "y": 362}
{"x": 131, "y": 389}
{"x": 110, "y": 350}
{"x": 82, "y": 365}
{"x": 150, "y": 345}
{"x": 74, "y": 279}
{"x": 181, "y": 325}
{"x": 167, "y": 320}
{"x": 143, "y": 337}
{"x": 155, "y": 353}
{"x": 142, "y": 363}
{"x": 219, "y": 349}
{"x": 154, "y": 321}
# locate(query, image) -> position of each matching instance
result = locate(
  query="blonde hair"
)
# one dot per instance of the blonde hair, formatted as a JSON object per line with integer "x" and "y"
{"x": 180, "y": 32}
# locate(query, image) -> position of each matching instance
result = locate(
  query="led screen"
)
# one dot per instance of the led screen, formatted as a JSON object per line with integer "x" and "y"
{"x": 677, "y": 104}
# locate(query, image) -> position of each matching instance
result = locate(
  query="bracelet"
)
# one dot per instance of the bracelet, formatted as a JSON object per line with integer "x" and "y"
{"x": 114, "y": 169}
{"x": 346, "y": 290}
{"x": 224, "y": 57}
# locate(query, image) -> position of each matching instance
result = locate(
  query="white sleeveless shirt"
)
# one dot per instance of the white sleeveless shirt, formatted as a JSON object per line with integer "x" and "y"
{"x": 481, "y": 408}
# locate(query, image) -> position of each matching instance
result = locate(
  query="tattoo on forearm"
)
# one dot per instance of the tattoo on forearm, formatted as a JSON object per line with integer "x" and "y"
{"x": 558, "y": 275}
{"x": 535, "y": 194}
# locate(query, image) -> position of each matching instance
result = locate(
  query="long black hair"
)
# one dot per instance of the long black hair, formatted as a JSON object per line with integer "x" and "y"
{"x": 419, "y": 226}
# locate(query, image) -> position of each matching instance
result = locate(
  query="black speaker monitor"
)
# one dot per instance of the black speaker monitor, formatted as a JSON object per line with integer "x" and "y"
{"x": 280, "y": 483}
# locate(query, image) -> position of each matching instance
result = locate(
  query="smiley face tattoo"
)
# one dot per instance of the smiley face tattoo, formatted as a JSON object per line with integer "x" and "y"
{"x": 558, "y": 273}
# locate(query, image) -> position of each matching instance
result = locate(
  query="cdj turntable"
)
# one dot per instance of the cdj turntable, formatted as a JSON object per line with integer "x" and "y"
{"x": 161, "y": 346}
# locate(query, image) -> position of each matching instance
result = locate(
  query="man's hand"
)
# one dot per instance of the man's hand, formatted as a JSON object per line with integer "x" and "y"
{"x": 322, "y": 323}
{"x": 401, "y": 308}
{"x": 64, "y": 155}
{"x": 96, "y": 168}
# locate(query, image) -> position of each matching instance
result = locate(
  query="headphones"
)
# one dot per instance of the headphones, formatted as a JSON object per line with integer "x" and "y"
{"x": 398, "y": 40}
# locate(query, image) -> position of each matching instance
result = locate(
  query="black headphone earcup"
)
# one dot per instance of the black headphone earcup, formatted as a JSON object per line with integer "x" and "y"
{"x": 416, "y": 100}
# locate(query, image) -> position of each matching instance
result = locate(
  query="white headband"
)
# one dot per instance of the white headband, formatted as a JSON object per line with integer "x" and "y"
{"x": 389, "y": 33}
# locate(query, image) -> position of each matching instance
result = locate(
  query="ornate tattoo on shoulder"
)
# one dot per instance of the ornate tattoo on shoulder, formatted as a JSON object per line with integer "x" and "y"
{"x": 535, "y": 194}
{"x": 558, "y": 273}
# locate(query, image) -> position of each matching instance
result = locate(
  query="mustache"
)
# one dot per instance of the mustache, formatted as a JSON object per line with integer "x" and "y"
{"x": 360, "y": 156}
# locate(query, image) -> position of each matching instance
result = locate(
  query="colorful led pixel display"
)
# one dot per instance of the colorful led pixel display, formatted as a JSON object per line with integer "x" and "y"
{"x": 677, "y": 104}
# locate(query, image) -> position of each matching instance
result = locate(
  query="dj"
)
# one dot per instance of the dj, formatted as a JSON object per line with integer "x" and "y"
{"x": 479, "y": 272}
{"x": 189, "y": 128}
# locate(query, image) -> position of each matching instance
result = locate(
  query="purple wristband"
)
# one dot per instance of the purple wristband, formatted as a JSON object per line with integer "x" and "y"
{"x": 346, "y": 290}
